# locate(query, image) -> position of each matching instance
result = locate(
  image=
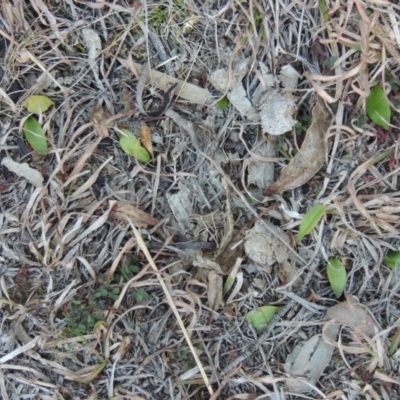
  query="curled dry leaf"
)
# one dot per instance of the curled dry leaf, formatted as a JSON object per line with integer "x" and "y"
{"x": 98, "y": 119}
{"x": 145, "y": 137}
{"x": 311, "y": 156}
{"x": 214, "y": 292}
{"x": 126, "y": 212}
{"x": 352, "y": 314}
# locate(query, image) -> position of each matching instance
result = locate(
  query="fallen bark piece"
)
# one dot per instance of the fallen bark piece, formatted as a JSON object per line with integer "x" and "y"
{"x": 308, "y": 161}
{"x": 126, "y": 212}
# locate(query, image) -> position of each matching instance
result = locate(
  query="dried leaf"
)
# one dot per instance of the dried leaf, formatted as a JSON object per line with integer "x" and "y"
{"x": 308, "y": 161}
{"x": 31, "y": 175}
{"x": 308, "y": 363}
{"x": 98, "y": 118}
{"x": 184, "y": 90}
{"x": 126, "y": 212}
{"x": 145, "y": 137}
{"x": 214, "y": 292}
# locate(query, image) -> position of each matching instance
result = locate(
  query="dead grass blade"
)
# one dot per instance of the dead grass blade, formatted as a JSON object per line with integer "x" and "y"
{"x": 172, "y": 305}
{"x": 308, "y": 161}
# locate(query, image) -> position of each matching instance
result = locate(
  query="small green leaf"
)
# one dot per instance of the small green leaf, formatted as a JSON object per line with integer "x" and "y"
{"x": 81, "y": 327}
{"x": 132, "y": 146}
{"x": 392, "y": 259}
{"x": 337, "y": 276}
{"x": 378, "y": 108}
{"x": 222, "y": 104}
{"x": 310, "y": 221}
{"x": 260, "y": 317}
{"x": 140, "y": 295}
{"x": 324, "y": 10}
{"x": 230, "y": 280}
{"x": 34, "y": 134}
{"x": 37, "y": 103}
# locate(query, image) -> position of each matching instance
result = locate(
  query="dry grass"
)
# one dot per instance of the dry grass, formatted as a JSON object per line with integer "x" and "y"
{"x": 86, "y": 311}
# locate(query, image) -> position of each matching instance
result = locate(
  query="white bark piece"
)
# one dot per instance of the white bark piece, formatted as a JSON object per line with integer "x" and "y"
{"x": 236, "y": 94}
{"x": 277, "y": 112}
{"x": 32, "y": 175}
{"x": 289, "y": 77}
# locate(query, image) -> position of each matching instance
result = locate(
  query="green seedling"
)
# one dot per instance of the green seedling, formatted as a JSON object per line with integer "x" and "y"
{"x": 310, "y": 221}
{"x": 260, "y": 317}
{"x": 392, "y": 259}
{"x": 378, "y": 107}
{"x": 130, "y": 145}
{"x": 337, "y": 276}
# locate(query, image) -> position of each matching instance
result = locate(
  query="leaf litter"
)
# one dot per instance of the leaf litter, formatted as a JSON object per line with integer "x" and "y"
{"x": 70, "y": 239}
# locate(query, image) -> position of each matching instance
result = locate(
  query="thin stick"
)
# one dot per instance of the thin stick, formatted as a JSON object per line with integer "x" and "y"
{"x": 172, "y": 305}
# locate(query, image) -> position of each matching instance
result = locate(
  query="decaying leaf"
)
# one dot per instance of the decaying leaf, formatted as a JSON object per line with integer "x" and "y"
{"x": 351, "y": 314}
{"x": 306, "y": 364}
{"x": 260, "y": 173}
{"x": 263, "y": 248}
{"x": 31, "y": 175}
{"x": 98, "y": 118}
{"x": 308, "y": 161}
{"x": 126, "y": 212}
{"x": 181, "y": 204}
{"x": 187, "y": 91}
{"x": 214, "y": 292}
{"x": 145, "y": 137}
{"x": 236, "y": 92}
